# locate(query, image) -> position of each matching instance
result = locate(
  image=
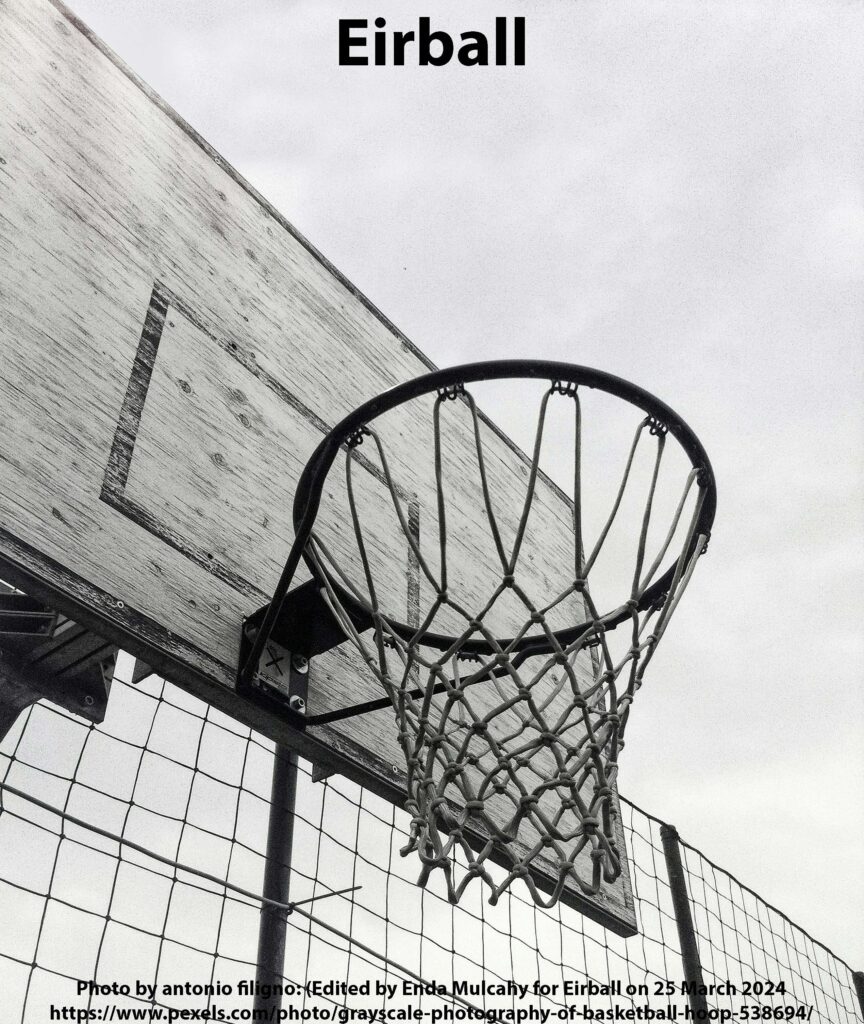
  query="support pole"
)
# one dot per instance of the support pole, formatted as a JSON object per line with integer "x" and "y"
{"x": 684, "y": 921}
{"x": 277, "y": 875}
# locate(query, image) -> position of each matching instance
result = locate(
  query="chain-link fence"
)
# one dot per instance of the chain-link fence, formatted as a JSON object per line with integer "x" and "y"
{"x": 168, "y": 917}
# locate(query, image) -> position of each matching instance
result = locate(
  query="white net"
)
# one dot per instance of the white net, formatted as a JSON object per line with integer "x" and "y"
{"x": 512, "y": 695}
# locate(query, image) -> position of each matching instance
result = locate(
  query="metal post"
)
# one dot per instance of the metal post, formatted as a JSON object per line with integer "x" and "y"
{"x": 858, "y": 978}
{"x": 269, "y": 973}
{"x": 684, "y": 921}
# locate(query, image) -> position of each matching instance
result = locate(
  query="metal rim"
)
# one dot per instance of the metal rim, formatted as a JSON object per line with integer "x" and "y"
{"x": 311, "y": 484}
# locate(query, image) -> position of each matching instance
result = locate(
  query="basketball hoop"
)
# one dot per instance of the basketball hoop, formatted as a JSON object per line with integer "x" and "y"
{"x": 512, "y": 736}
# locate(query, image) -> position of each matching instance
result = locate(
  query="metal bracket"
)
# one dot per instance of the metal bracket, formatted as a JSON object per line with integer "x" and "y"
{"x": 281, "y": 676}
{"x": 305, "y": 627}
{"x": 321, "y": 771}
{"x": 305, "y": 624}
{"x": 46, "y": 655}
{"x": 23, "y": 616}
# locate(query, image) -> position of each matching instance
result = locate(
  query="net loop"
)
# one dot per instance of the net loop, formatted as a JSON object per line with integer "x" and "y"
{"x": 451, "y": 392}
{"x": 355, "y": 439}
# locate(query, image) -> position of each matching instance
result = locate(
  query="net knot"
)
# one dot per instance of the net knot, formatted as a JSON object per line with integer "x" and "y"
{"x": 548, "y": 738}
{"x": 451, "y": 392}
{"x": 589, "y": 824}
{"x": 537, "y": 617}
{"x": 657, "y": 428}
{"x": 508, "y": 580}
{"x": 480, "y": 727}
{"x": 567, "y": 387}
{"x": 530, "y": 800}
{"x": 611, "y": 718}
{"x": 474, "y": 806}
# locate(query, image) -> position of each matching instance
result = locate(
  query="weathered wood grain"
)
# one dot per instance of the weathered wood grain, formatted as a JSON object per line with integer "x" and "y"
{"x": 172, "y": 350}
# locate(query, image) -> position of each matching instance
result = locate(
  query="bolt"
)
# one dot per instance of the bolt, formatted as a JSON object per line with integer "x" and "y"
{"x": 297, "y": 704}
{"x": 299, "y": 663}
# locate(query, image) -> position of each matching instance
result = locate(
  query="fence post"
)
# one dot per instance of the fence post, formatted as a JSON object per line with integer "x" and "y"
{"x": 277, "y": 875}
{"x": 858, "y": 978}
{"x": 684, "y": 921}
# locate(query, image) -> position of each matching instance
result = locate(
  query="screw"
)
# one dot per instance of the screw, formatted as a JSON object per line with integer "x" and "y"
{"x": 88, "y": 700}
{"x": 297, "y": 704}
{"x": 395, "y": 768}
{"x": 299, "y": 663}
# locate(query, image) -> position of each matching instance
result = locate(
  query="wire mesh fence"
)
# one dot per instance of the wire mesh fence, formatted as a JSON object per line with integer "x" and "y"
{"x": 132, "y": 853}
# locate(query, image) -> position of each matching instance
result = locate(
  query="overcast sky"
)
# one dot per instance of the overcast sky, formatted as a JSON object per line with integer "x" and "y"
{"x": 671, "y": 192}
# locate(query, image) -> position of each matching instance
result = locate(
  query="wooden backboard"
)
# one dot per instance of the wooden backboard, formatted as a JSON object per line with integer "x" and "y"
{"x": 173, "y": 350}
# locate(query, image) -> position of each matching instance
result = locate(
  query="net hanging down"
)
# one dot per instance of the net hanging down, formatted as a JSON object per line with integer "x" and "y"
{"x": 512, "y": 734}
